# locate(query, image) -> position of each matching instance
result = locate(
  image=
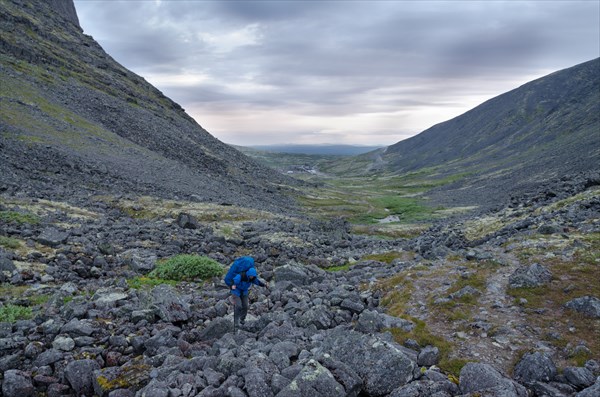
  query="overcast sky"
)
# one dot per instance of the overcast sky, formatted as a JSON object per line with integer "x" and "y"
{"x": 354, "y": 72}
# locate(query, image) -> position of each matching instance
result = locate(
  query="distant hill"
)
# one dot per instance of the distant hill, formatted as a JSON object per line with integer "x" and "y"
{"x": 326, "y": 149}
{"x": 74, "y": 120}
{"x": 545, "y": 129}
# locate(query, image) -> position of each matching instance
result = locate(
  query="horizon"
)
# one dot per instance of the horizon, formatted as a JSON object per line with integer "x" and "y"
{"x": 304, "y": 72}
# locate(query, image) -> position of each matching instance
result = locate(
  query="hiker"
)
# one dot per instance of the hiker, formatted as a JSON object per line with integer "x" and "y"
{"x": 240, "y": 277}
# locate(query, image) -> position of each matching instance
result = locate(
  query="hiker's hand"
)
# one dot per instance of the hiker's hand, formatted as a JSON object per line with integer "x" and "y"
{"x": 233, "y": 287}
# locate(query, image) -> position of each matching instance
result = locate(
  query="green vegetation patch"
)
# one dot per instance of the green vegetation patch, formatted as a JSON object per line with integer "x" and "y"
{"x": 9, "y": 242}
{"x": 18, "y": 217}
{"x": 338, "y": 268}
{"x": 11, "y": 313}
{"x": 424, "y": 337}
{"x": 142, "y": 282}
{"x": 386, "y": 257}
{"x": 187, "y": 268}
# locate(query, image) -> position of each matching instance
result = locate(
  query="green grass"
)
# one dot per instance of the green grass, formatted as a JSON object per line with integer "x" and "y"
{"x": 337, "y": 268}
{"x": 386, "y": 257}
{"x": 11, "y": 313}
{"x": 424, "y": 337}
{"x": 18, "y": 217}
{"x": 188, "y": 268}
{"x": 8, "y": 242}
{"x": 142, "y": 282}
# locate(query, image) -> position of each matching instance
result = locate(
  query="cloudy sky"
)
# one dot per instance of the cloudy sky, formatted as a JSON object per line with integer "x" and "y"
{"x": 354, "y": 72}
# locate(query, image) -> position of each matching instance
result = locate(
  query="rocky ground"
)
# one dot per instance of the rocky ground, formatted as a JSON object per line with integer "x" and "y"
{"x": 502, "y": 304}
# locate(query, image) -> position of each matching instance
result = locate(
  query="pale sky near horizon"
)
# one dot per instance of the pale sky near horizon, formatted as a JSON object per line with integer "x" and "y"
{"x": 344, "y": 72}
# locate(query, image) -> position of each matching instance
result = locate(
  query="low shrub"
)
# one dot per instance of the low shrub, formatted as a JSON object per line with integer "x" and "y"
{"x": 147, "y": 282}
{"x": 187, "y": 268}
{"x": 8, "y": 242}
{"x": 18, "y": 217}
{"x": 11, "y": 313}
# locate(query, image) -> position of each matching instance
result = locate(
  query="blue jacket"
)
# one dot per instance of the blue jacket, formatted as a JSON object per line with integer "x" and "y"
{"x": 243, "y": 282}
{"x": 240, "y": 265}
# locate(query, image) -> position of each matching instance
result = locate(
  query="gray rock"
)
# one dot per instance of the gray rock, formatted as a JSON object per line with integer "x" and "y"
{"x": 10, "y": 361}
{"x": 17, "y": 384}
{"x": 169, "y": 305}
{"x": 155, "y": 388}
{"x": 256, "y": 384}
{"x": 108, "y": 297}
{"x": 140, "y": 260}
{"x": 353, "y": 305}
{"x": 187, "y": 221}
{"x": 298, "y": 275}
{"x": 80, "y": 374}
{"x": 592, "y": 391}
{"x": 428, "y": 356}
{"x": 580, "y": 377}
{"x": 216, "y": 329}
{"x": 6, "y": 264}
{"x": 319, "y": 316}
{"x": 535, "y": 367}
{"x": 587, "y": 305}
{"x": 53, "y": 237}
{"x": 534, "y": 275}
{"x": 134, "y": 374}
{"x": 161, "y": 341}
{"x": 77, "y": 327}
{"x": 313, "y": 380}
{"x": 371, "y": 321}
{"x": 476, "y": 377}
{"x": 63, "y": 343}
{"x": 549, "y": 229}
{"x": 48, "y": 357}
{"x": 465, "y": 291}
{"x": 383, "y": 366}
{"x": 545, "y": 389}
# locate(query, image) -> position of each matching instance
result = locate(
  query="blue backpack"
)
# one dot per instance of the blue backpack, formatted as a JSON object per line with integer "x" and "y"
{"x": 239, "y": 266}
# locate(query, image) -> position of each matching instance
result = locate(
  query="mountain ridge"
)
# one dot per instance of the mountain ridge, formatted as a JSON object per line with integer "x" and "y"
{"x": 61, "y": 93}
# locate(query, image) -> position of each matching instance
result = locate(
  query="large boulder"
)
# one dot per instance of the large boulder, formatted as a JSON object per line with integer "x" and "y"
{"x": 187, "y": 221}
{"x": 53, "y": 237}
{"x": 592, "y": 391}
{"x": 170, "y": 305}
{"x": 134, "y": 374}
{"x": 140, "y": 260}
{"x": 80, "y": 374}
{"x": 580, "y": 377}
{"x": 534, "y": 275}
{"x": 17, "y": 384}
{"x": 298, "y": 274}
{"x": 587, "y": 305}
{"x": 535, "y": 367}
{"x": 313, "y": 380}
{"x": 371, "y": 321}
{"x": 486, "y": 380}
{"x": 320, "y": 316}
{"x": 382, "y": 365}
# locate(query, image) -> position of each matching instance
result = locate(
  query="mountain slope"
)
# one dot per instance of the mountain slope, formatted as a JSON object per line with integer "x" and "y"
{"x": 543, "y": 130}
{"x": 73, "y": 118}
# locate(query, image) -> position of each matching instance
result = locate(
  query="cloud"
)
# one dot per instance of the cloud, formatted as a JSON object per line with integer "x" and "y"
{"x": 372, "y": 72}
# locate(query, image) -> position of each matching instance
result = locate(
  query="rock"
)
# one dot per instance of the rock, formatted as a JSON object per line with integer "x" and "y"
{"x": 6, "y": 264}
{"x": 77, "y": 327}
{"x": 535, "y": 367}
{"x": 140, "y": 260}
{"x": 587, "y": 305}
{"x": 134, "y": 374}
{"x": 187, "y": 221}
{"x": 319, "y": 316}
{"x": 63, "y": 343}
{"x": 592, "y": 391}
{"x": 549, "y": 229}
{"x": 465, "y": 291}
{"x": 580, "y": 377}
{"x": 534, "y": 275}
{"x": 313, "y": 380}
{"x": 371, "y": 321}
{"x": 169, "y": 305}
{"x": 256, "y": 384}
{"x": 298, "y": 275}
{"x": 382, "y": 366}
{"x": 48, "y": 357}
{"x": 476, "y": 377}
{"x": 80, "y": 374}
{"x": 108, "y": 297}
{"x": 428, "y": 356}
{"x": 53, "y": 237}
{"x": 17, "y": 384}
{"x": 216, "y": 329}
{"x": 353, "y": 305}
{"x": 162, "y": 340}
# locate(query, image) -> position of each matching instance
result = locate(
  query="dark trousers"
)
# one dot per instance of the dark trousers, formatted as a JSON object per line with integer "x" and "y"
{"x": 240, "y": 309}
